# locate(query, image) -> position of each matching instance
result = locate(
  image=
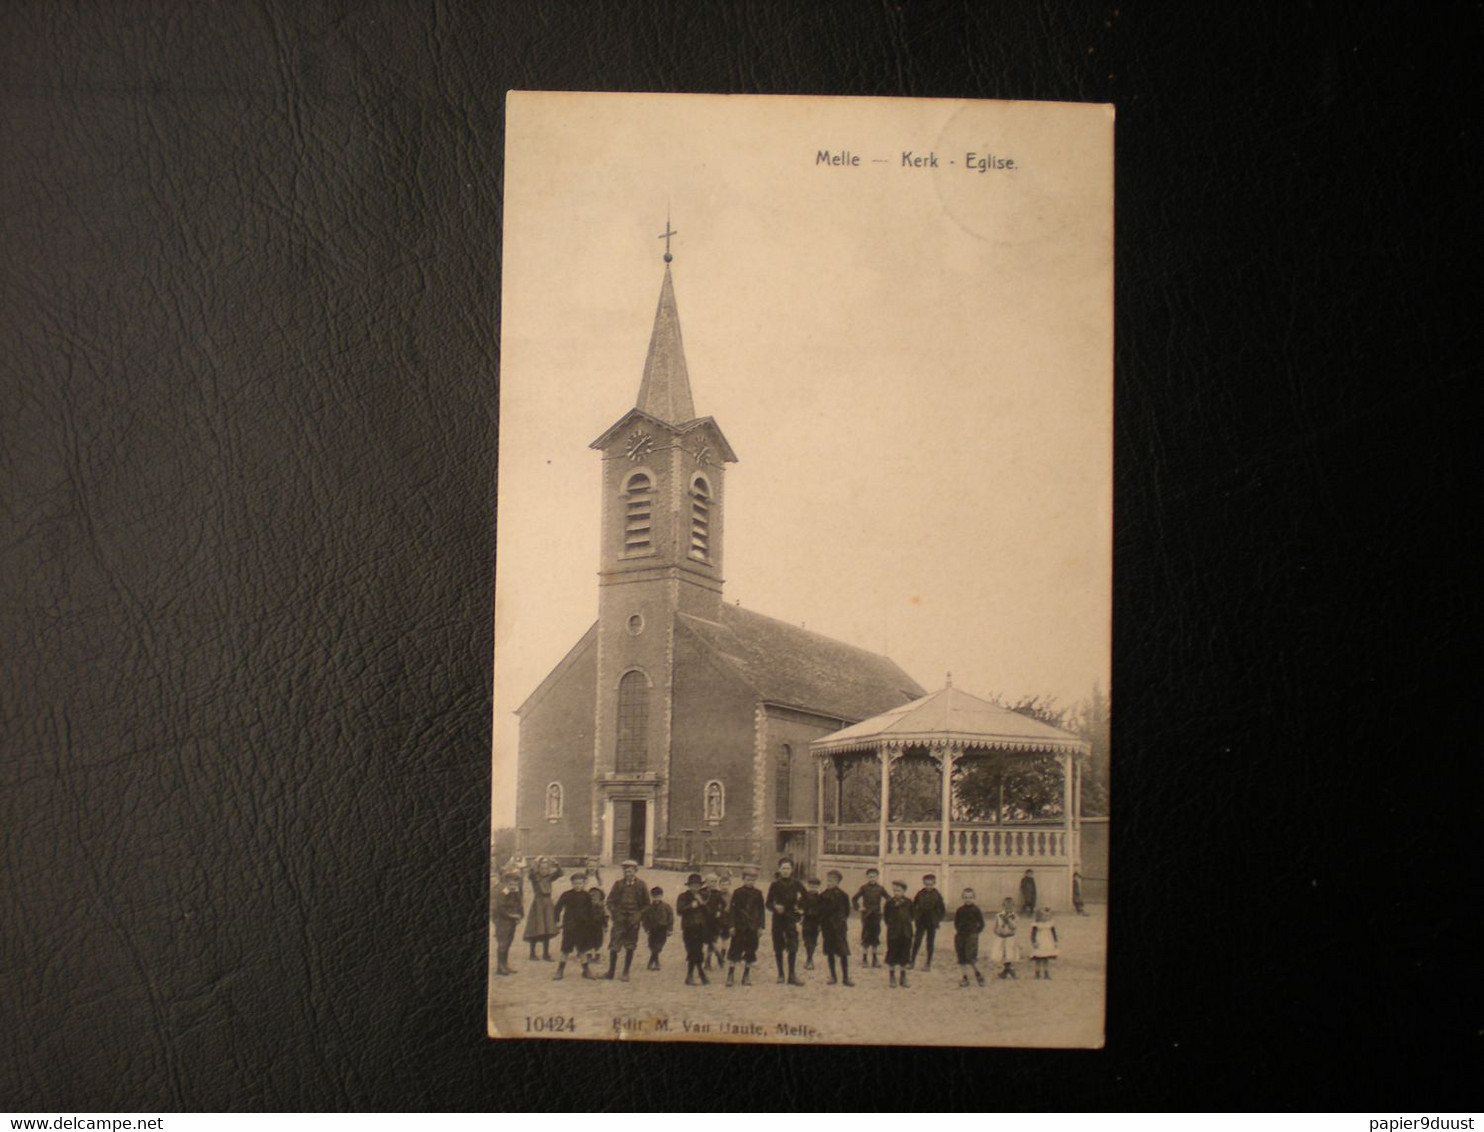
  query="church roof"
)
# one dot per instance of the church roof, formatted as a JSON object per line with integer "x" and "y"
{"x": 665, "y": 391}
{"x": 793, "y": 667}
{"x": 951, "y": 715}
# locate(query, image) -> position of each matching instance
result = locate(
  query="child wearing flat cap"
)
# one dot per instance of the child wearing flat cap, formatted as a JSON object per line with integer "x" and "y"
{"x": 574, "y": 916}
{"x": 897, "y": 918}
{"x": 717, "y": 891}
{"x": 868, "y": 900}
{"x": 810, "y": 923}
{"x": 785, "y": 900}
{"x": 968, "y": 922}
{"x": 834, "y": 918}
{"x": 747, "y": 926}
{"x": 928, "y": 911}
{"x": 658, "y": 921}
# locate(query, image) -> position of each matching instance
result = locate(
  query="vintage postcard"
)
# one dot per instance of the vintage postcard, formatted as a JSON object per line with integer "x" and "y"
{"x": 804, "y": 571}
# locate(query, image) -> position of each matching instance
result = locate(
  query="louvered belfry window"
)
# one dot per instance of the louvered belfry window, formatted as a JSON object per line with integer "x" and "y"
{"x": 700, "y": 520}
{"x": 633, "y": 723}
{"x": 638, "y": 506}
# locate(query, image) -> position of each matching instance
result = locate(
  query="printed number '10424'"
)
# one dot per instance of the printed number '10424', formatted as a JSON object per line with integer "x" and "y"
{"x": 552, "y": 1025}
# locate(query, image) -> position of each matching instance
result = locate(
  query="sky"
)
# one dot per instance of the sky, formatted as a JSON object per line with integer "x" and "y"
{"x": 913, "y": 363}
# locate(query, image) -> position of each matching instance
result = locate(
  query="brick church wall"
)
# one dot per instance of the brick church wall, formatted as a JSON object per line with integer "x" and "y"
{"x": 556, "y": 745}
{"x": 712, "y": 738}
{"x": 796, "y": 729}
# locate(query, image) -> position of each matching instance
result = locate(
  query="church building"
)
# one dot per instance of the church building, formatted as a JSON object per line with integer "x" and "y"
{"x": 678, "y": 728}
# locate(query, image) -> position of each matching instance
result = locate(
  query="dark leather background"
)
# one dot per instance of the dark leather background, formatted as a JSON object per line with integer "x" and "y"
{"x": 250, "y": 285}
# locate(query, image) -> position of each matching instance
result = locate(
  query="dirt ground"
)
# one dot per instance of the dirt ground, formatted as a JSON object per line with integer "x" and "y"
{"x": 1066, "y": 1011}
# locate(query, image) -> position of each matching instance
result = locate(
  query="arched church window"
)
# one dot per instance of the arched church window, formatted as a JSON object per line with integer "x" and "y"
{"x": 700, "y": 519}
{"x": 633, "y": 722}
{"x": 715, "y": 802}
{"x": 553, "y": 801}
{"x": 785, "y": 795}
{"x": 638, "y": 491}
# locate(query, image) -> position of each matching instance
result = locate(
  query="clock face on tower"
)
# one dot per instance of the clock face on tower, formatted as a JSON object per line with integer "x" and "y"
{"x": 640, "y": 444}
{"x": 703, "y": 455}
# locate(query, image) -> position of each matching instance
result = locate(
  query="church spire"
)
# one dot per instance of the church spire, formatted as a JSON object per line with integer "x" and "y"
{"x": 665, "y": 390}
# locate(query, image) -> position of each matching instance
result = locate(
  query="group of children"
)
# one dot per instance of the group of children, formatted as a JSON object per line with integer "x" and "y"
{"x": 912, "y": 929}
{"x": 582, "y": 914}
{"x": 724, "y": 926}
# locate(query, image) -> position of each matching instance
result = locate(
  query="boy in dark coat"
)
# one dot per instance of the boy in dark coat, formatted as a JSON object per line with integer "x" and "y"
{"x": 810, "y": 922}
{"x": 509, "y": 911}
{"x": 597, "y": 924}
{"x": 1028, "y": 892}
{"x": 573, "y": 914}
{"x": 896, "y": 917}
{"x": 785, "y": 901}
{"x": 717, "y": 891}
{"x": 927, "y": 913}
{"x": 868, "y": 900}
{"x": 747, "y": 926}
{"x": 968, "y": 922}
{"x": 723, "y": 915}
{"x": 658, "y": 921}
{"x": 696, "y": 924}
{"x": 834, "y": 920}
{"x": 1077, "y": 891}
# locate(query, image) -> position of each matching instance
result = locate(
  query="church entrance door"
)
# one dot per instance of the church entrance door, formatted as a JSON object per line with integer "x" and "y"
{"x": 630, "y": 824}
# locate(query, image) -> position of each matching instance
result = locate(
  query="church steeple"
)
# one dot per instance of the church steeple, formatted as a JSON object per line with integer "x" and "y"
{"x": 665, "y": 413}
{"x": 664, "y": 491}
{"x": 665, "y": 391}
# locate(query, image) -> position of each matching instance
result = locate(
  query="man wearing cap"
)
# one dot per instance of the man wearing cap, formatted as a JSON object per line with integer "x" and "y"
{"x": 747, "y": 925}
{"x": 786, "y": 902}
{"x": 626, "y": 902}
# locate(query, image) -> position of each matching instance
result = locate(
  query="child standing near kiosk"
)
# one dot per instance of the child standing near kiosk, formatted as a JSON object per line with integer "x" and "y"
{"x": 834, "y": 918}
{"x": 1045, "y": 943}
{"x": 968, "y": 922}
{"x": 896, "y": 916}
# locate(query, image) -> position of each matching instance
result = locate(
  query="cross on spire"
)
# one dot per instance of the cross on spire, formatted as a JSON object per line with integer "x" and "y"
{"x": 666, "y": 234}
{"x": 665, "y": 391}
